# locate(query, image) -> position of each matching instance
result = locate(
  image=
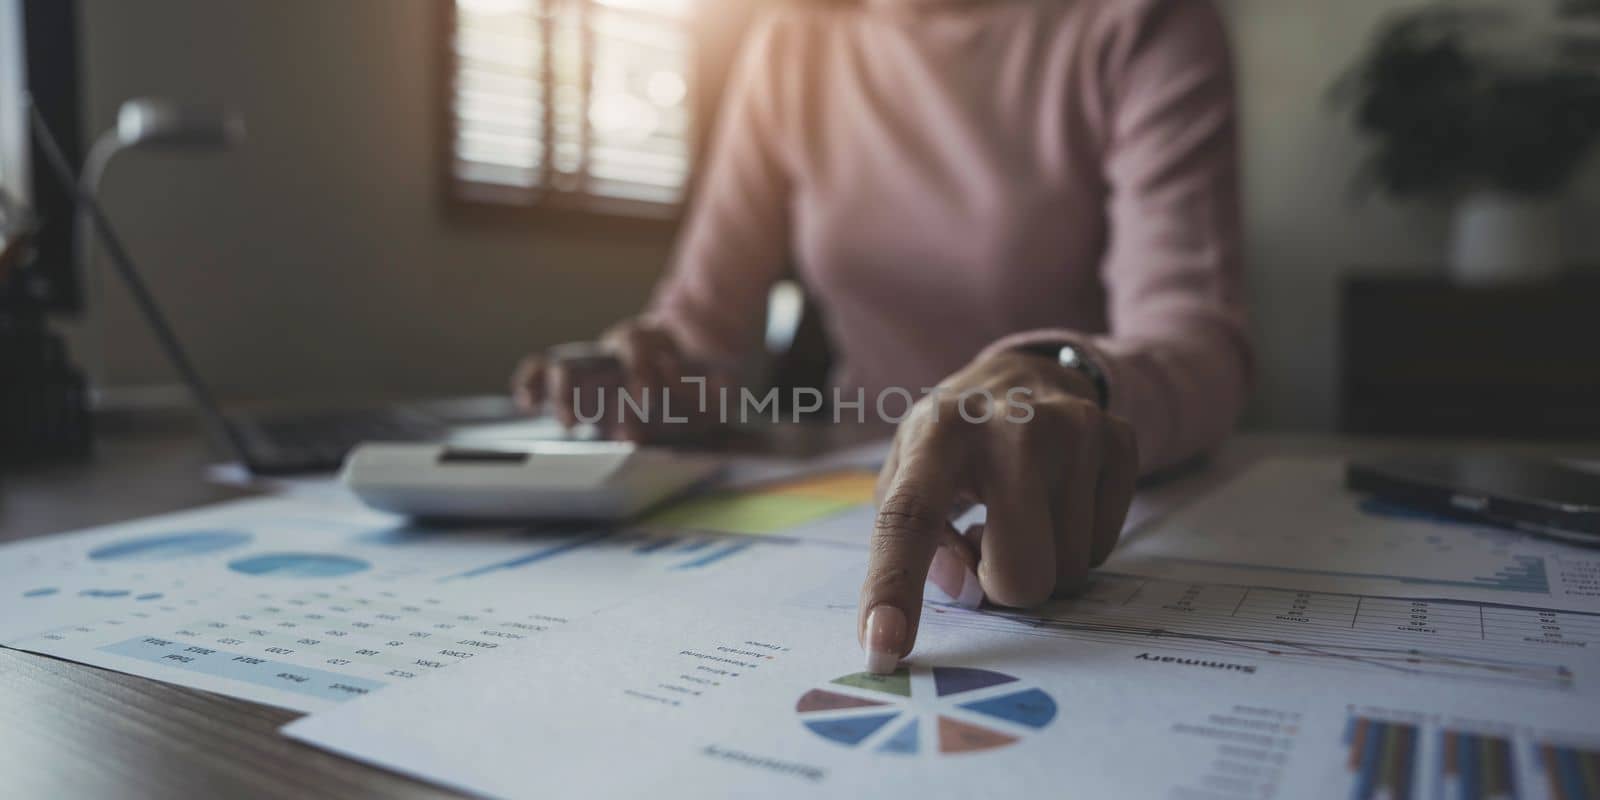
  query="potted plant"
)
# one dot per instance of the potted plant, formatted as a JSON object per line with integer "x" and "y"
{"x": 1490, "y": 108}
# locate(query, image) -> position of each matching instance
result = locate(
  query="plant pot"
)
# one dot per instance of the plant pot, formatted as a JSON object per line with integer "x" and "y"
{"x": 1501, "y": 238}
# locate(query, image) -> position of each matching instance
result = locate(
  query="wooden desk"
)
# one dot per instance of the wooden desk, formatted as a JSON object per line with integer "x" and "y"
{"x": 68, "y": 730}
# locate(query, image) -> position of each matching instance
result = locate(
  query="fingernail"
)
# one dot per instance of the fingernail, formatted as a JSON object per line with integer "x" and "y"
{"x": 886, "y": 637}
{"x": 947, "y": 574}
{"x": 953, "y": 579}
{"x": 971, "y": 590}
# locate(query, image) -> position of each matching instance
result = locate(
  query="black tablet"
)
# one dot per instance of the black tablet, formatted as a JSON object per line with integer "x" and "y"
{"x": 1534, "y": 495}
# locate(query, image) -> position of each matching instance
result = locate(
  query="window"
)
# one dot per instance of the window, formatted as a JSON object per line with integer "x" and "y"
{"x": 14, "y": 179}
{"x": 579, "y": 104}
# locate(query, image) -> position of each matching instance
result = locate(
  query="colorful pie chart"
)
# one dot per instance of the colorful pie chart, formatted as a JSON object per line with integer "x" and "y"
{"x": 923, "y": 709}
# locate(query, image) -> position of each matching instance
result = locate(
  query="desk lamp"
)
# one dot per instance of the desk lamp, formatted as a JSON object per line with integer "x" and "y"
{"x": 16, "y": 233}
{"x": 151, "y": 124}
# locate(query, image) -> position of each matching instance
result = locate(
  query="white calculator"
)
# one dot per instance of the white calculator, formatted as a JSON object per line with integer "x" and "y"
{"x": 594, "y": 481}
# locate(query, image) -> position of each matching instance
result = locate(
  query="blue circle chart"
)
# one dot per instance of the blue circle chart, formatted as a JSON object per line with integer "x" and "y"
{"x": 166, "y": 547}
{"x": 298, "y": 565}
{"x": 104, "y": 593}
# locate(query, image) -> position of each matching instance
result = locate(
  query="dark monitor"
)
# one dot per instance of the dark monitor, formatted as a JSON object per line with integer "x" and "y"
{"x": 39, "y": 57}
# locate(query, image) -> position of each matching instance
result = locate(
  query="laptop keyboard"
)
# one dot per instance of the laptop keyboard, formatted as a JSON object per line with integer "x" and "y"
{"x": 312, "y": 442}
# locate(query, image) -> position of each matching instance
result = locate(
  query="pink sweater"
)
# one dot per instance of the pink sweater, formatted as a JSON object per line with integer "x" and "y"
{"x": 950, "y": 176}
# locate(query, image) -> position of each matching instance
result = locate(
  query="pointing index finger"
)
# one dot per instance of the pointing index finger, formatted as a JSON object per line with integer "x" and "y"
{"x": 911, "y": 521}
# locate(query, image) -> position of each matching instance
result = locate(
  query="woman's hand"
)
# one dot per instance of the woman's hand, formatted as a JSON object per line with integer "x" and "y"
{"x": 1024, "y": 436}
{"x": 635, "y": 356}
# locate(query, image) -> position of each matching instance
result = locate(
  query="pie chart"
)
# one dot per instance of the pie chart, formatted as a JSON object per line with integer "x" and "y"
{"x": 926, "y": 709}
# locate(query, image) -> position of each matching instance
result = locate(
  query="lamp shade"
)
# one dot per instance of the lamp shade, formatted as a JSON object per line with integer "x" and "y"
{"x": 150, "y": 122}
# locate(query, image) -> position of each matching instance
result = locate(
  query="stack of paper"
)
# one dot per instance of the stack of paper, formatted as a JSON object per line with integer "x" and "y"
{"x": 1280, "y": 638}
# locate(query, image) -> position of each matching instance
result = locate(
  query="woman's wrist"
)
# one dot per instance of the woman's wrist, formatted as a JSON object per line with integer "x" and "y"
{"x": 1086, "y": 352}
{"x": 1037, "y": 373}
{"x": 1074, "y": 357}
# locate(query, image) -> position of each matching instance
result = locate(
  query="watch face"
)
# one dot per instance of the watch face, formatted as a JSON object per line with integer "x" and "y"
{"x": 1070, "y": 357}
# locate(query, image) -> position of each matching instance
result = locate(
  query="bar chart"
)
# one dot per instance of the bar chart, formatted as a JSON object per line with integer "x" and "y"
{"x": 1381, "y": 758}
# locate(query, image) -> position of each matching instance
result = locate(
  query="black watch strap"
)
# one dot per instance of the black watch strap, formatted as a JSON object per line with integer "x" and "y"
{"x": 1073, "y": 357}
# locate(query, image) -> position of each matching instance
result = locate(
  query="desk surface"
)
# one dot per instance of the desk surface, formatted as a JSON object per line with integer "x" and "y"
{"x": 72, "y": 730}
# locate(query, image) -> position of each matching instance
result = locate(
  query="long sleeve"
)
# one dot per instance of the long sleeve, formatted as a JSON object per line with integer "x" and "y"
{"x": 735, "y": 242}
{"x": 1177, "y": 352}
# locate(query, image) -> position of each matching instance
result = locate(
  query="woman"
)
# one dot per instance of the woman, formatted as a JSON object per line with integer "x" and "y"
{"x": 982, "y": 195}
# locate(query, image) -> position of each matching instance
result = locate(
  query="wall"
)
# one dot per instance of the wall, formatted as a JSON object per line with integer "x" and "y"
{"x": 1304, "y": 224}
{"x": 315, "y": 257}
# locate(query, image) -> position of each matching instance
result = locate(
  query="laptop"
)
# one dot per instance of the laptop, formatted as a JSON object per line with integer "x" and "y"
{"x": 279, "y": 443}
{"x": 287, "y": 443}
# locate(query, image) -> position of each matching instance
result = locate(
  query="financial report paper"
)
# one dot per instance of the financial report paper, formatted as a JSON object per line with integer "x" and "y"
{"x": 309, "y": 599}
{"x": 302, "y": 604}
{"x": 1143, "y": 688}
{"x": 1291, "y": 524}
{"x": 318, "y": 606}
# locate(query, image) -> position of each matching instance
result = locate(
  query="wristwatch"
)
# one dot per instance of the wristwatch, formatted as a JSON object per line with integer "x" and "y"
{"x": 1075, "y": 358}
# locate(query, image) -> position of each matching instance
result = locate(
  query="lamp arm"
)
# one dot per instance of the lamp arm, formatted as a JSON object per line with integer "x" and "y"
{"x": 95, "y": 164}
{"x": 211, "y": 412}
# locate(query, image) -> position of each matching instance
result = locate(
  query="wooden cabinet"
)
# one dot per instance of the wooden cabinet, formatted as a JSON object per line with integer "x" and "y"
{"x": 1420, "y": 355}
